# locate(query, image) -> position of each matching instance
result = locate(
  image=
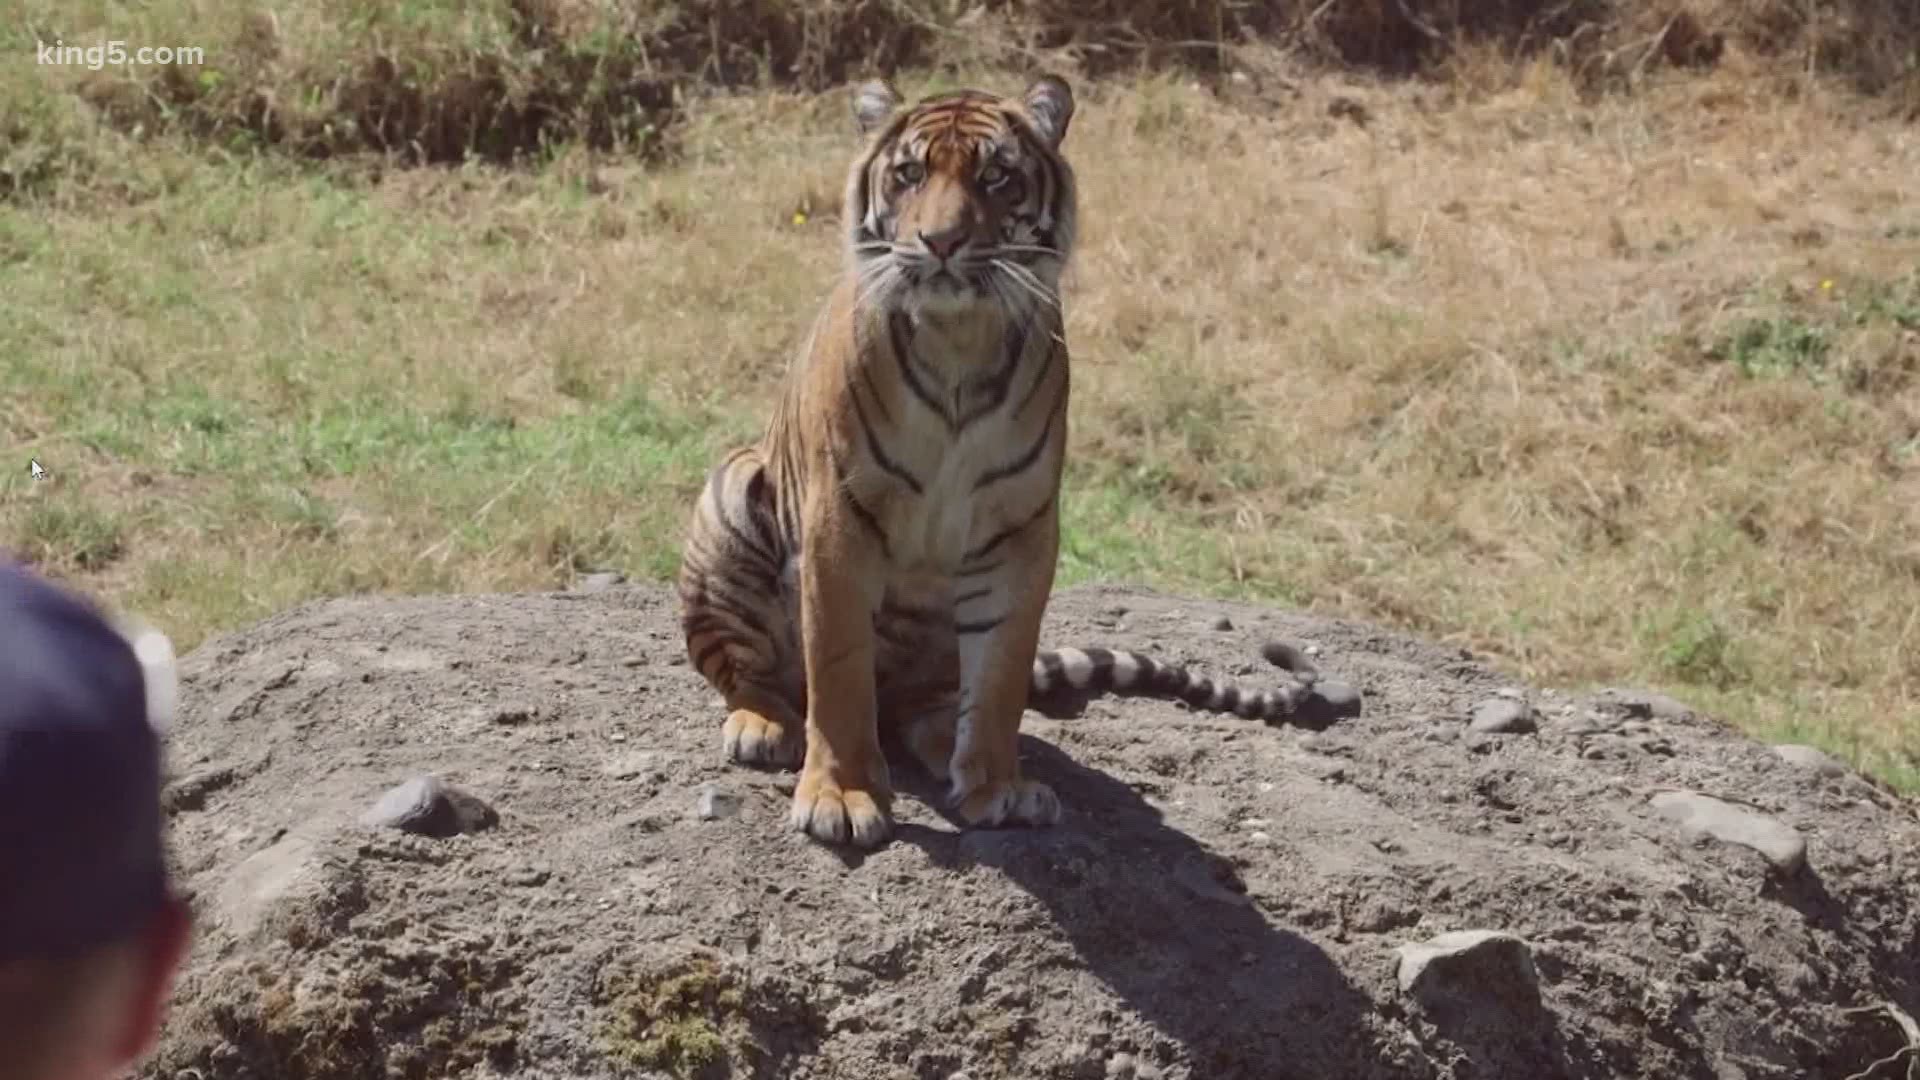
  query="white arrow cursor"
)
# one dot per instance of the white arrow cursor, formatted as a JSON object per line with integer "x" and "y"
{"x": 34, "y": 470}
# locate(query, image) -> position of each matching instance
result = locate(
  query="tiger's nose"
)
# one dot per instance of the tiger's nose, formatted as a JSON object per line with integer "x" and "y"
{"x": 944, "y": 242}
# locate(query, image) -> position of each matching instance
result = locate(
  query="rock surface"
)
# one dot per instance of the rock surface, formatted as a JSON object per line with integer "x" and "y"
{"x": 1223, "y": 900}
{"x": 1778, "y": 843}
{"x": 1470, "y": 962}
{"x": 1811, "y": 758}
{"x": 1504, "y": 716}
{"x": 429, "y": 806}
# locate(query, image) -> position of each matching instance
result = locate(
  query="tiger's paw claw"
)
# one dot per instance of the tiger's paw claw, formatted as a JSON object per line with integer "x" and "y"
{"x": 1001, "y": 803}
{"x": 834, "y": 815}
{"x": 751, "y": 739}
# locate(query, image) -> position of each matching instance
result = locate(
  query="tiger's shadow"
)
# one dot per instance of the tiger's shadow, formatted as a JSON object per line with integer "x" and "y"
{"x": 1164, "y": 924}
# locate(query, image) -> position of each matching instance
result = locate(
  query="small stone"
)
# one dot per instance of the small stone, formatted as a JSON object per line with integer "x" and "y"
{"x": 190, "y": 792}
{"x": 715, "y": 804}
{"x": 515, "y": 714}
{"x": 601, "y": 582}
{"x": 1223, "y": 623}
{"x": 530, "y": 876}
{"x": 1777, "y": 842}
{"x": 1504, "y": 716}
{"x": 633, "y": 660}
{"x": 429, "y": 806}
{"x": 1811, "y": 758}
{"x": 1258, "y": 837}
{"x": 1211, "y": 880}
{"x": 1576, "y": 727}
{"x": 1329, "y": 702}
{"x": 1646, "y": 704}
{"x": 1469, "y": 963}
{"x": 1120, "y": 1067}
{"x": 628, "y": 765}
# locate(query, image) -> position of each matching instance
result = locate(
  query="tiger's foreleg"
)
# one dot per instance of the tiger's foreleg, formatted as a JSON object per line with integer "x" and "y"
{"x": 844, "y": 791}
{"x": 998, "y": 620}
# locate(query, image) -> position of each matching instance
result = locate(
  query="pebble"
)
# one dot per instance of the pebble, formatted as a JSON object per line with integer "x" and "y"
{"x": 1330, "y": 701}
{"x": 1469, "y": 961}
{"x": 515, "y": 714}
{"x": 1223, "y": 623}
{"x": 1645, "y": 704}
{"x": 1780, "y": 844}
{"x": 1211, "y": 881}
{"x": 629, "y": 765}
{"x": 429, "y": 806}
{"x": 1808, "y": 757}
{"x": 714, "y": 804}
{"x": 601, "y": 582}
{"x": 1503, "y": 715}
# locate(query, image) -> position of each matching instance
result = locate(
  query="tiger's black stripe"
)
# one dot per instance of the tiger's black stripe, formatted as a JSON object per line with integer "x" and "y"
{"x": 879, "y": 451}
{"x": 996, "y": 386}
{"x": 901, "y": 330}
{"x": 1003, "y": 536}
{"x": 1027, "y": 460}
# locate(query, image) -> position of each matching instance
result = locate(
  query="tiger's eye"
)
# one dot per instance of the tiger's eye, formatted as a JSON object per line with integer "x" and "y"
{"x": 993, "y": 176}
{"x": 909, "y": 172}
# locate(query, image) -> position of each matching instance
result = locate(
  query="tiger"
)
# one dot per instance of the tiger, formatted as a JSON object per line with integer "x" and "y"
{"x": 880, "y": 561}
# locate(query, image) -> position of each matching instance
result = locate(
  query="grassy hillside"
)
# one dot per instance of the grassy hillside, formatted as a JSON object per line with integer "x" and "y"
{"x": 1594, "y": 349}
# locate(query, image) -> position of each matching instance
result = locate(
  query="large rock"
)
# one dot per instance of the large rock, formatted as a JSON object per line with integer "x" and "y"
{"x": 1222, "y": 901}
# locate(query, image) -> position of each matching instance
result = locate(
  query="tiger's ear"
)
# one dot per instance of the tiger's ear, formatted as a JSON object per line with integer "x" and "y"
{"x": 1050, "y": 101}
{"x": 873, "y": 105}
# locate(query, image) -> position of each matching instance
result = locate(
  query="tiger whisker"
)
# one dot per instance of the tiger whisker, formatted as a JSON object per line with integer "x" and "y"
{"x": 1027, "y": 281}
{"x": 1020, "y": 249}
{"x": 880, "y": 277}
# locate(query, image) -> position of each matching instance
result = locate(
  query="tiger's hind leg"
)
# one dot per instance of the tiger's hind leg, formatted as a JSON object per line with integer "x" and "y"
{"x": 737, "y": 615}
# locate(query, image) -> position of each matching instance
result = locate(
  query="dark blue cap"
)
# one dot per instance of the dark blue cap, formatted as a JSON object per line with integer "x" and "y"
{"x": 81, "y": 856}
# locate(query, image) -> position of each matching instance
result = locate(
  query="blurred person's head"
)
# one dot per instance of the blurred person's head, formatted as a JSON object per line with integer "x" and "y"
{"x": 91, "y": 933}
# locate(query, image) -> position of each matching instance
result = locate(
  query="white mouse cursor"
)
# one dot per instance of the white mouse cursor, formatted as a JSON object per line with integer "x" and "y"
{"x": 34, "y": 470}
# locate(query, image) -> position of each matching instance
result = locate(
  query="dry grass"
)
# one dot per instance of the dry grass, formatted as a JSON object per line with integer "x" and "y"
{"x": 503, "y": 80}
{"x": 1615, "y": 388}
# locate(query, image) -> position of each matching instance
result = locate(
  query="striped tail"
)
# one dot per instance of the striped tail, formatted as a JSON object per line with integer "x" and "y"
{"x": 1084, "y": 673}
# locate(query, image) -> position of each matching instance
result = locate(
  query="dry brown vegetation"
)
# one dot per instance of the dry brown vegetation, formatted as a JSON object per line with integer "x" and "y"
{"x": 1612, "y": 371}
{"x": 441, "y": 81}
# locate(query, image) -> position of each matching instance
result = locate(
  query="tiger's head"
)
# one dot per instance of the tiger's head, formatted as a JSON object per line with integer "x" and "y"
{"x": 962, "y": 200}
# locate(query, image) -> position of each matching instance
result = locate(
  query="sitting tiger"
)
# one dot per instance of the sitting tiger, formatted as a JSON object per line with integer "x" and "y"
{"x": 883, "y": 556}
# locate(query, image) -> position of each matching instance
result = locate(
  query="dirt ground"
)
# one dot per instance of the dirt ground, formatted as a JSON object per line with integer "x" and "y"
{"x": 1223, "y": 900}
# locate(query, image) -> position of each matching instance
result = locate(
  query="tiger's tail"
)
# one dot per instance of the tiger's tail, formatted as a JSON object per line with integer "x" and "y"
{"x": 1060, "y": 674}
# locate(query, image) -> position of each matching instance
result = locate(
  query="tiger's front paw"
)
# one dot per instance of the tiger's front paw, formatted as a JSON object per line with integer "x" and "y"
{"x": 999, "y": 803}
{"x": 751, "y": 739}
{"x": 835, "y": 814}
